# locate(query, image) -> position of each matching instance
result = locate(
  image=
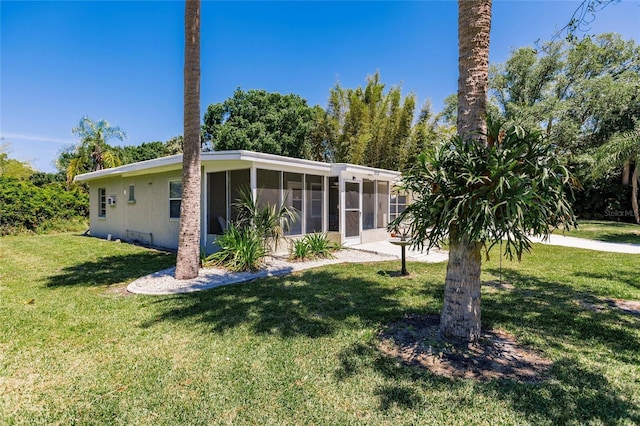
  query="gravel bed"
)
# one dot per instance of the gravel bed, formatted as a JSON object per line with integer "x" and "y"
{"x": 163, "y": 282}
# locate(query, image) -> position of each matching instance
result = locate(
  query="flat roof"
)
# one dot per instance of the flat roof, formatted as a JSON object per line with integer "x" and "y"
{"x": 174, "y": 162}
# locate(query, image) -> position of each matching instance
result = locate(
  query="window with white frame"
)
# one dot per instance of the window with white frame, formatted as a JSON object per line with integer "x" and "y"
{"x": 102, "y": 202}
{"x": 132, "y": 194}
{"x": 398, "y": 203}
{"x": 175, "y": 198}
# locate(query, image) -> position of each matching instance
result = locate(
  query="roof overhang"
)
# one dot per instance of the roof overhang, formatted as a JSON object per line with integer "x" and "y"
{"x": 174, "y": 162}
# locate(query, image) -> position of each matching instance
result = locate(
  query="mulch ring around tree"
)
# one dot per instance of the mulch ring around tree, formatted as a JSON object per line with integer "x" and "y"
{"x": 415, "y": 340}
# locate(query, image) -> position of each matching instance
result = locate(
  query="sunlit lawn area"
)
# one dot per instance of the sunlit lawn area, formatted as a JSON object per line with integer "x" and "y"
{"x": 301, "y": 349}
{"x": 615, "y": 232}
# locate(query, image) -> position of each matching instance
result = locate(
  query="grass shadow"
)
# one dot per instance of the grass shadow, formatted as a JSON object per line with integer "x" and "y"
{"x": 578, "y": 392}
{"x": 625, "y": 238}
{"x": 114, "y": 269}
{"x": 553, "y": 311}
{"x": 577, "y": 395}
{"x": 313, "y": 303}
{"x": 580, "y": 395}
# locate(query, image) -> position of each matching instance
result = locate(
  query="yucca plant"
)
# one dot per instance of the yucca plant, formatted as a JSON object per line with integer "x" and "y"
{"x": 270, "y": 222}
{"x": 299, "y": 250}
{"x": 320, "y": 245}
{"x": 241, "y": 249}
{"x": 312, "y": 246}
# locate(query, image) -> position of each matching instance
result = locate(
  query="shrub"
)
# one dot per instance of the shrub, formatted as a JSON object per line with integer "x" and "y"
{"x": 299, "y": 250}
{"x": 320, "y": 245}
{"x": 25, "y": 207}
{"x": 312, "y": 246}
{"x": 241, "y": 249}
{"x": 269, "y": 221}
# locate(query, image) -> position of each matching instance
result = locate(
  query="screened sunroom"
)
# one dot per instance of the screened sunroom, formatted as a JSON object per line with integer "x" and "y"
{"x": 351, "y": 204}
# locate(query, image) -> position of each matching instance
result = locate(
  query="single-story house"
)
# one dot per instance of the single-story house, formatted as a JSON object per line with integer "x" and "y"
{"x": 141, "y": 201}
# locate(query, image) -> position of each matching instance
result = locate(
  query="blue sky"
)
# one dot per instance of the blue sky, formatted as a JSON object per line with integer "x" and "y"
{"x": 122, "y": 60}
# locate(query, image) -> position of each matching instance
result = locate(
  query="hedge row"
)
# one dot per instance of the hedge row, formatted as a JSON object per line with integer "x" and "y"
{"x": 25, "y": 207}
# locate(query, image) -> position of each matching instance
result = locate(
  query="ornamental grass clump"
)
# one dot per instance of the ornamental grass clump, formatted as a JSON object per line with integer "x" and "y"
{"x": 241, "y": 249}
{"x": 299, "y": 250}
{"x": 312, "y": 246}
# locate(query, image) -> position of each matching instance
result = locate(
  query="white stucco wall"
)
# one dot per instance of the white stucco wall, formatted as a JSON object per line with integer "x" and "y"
{"x": 148, "y": 215}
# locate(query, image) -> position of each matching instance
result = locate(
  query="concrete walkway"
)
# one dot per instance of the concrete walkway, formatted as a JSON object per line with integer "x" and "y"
{"x": 162, "y": 282}
{"x": 385, "y": 247}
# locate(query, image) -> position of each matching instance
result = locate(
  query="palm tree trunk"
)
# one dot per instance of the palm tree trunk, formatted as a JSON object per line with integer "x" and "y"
{"x": 626, "y": 172}
{"x": 474, "y": 25}
{"x": 460, "y": 316}
{"x": 188, "y": 260}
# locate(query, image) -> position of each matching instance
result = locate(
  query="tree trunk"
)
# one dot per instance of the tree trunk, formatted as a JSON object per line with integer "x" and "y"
{"x": 626, "y": 172}
{"x": 460, "y": 316}
{"x": 188, "y": 261}
{"x": 474, "y": 26}
{"x": 97, "y": 156}
{"x": 634, "y": 191}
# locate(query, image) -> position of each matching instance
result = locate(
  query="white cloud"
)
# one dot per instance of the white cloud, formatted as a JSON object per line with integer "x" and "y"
{"x": 8, "y": 136}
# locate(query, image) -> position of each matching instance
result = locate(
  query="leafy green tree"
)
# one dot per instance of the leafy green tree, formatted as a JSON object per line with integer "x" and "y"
{"x": 43, "y": 179}
{"x": 427, "y": 132}
{"x": 25, "y": 207}
{"x": 144, "y": 151}
{"x": 260, "y": 121}
{"x": 173, "y": 146}
{"x": 124, "y": 155}
{"x": 579, "y": 94}
{"x": 13, "y": 168}
{"x": 92, "y": 152}
{"x": 321, "y": 136}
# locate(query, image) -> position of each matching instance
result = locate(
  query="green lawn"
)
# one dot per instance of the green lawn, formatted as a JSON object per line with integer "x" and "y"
{"x": 615, "y": 232}
{"x": 74, "y": 349}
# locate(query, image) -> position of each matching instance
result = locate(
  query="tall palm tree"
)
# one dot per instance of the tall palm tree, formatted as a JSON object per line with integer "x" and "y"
{"x": 460, "y": 316}
{"x": 188, "y": 260}
{"x": 622, "y": 150}
{"x": 491, "y": 183}
{"x": 92, "y": 152}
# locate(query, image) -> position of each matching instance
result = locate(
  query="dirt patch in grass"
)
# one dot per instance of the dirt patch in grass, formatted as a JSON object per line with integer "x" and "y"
{"x": 415, "y": 340}
{"x": 118, "y": 290}
{"x": 500, "y": 285}
{"x": 631, "y": 307}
